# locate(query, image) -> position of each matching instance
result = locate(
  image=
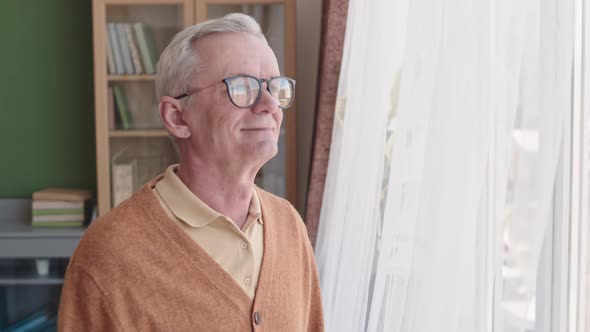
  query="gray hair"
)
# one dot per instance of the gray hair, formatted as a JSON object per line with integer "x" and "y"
{"x": 180, "y": 62}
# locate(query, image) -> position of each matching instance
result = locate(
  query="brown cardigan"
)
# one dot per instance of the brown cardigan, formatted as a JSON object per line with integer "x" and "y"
{"x": 137, "y": 270}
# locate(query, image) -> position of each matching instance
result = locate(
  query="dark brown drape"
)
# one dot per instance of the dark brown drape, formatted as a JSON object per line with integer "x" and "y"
{"x": 332, "y": 41}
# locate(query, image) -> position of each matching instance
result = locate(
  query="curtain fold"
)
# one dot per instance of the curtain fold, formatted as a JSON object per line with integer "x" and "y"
{"x": 333, "y": 27}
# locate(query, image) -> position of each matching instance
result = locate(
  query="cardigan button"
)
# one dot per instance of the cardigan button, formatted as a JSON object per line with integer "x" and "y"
{"x": 257, "y": 319}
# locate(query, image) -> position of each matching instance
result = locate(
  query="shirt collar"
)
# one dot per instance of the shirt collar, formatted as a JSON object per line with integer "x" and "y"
{"x": 188, "y": 207}
{"x": 255, "y": 211}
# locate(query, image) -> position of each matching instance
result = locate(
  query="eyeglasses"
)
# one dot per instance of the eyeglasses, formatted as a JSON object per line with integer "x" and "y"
{"x": 245, "y": 91}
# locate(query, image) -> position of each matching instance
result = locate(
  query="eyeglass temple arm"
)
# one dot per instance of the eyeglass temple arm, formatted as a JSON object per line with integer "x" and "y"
{"x": 182, "y": 95}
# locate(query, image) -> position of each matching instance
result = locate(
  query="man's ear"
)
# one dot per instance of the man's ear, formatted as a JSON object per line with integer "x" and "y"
{"x": 170, "y": 110}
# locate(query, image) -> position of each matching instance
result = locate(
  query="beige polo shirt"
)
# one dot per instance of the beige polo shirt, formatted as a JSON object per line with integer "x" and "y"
{"x": 238, "y": 251}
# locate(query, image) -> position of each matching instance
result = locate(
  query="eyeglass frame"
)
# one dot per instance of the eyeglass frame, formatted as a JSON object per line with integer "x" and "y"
{"x": 260, "y": 82}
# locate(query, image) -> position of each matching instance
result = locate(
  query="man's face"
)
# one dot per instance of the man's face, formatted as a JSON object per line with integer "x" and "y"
{"x": 220, "y": 131}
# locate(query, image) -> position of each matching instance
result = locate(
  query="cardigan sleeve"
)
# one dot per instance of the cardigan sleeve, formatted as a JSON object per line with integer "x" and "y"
{"x": 82, "y": 306}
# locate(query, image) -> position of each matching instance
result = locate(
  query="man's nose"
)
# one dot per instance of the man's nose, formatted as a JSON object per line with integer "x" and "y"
{"x": 267, "y": 103}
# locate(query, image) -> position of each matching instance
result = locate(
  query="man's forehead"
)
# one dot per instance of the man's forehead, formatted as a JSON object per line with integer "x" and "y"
{"x": 232, "y": 43}
{"x": 233, "y": 51}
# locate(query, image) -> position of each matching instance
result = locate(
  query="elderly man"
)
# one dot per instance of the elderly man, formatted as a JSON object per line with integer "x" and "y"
{"x": 201, "y": 248}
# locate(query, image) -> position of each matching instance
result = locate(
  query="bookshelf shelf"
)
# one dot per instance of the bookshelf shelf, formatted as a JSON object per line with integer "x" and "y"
{"x": 122, "y": 78}
{"x": 20, "y": 240}
{"x": 138, "y": 133}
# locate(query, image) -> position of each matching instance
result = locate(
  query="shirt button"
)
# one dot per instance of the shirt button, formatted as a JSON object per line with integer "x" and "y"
{"x": 247, "y": 280}
{"x": 244, "y": 245}
{"x": 257, "y": 318}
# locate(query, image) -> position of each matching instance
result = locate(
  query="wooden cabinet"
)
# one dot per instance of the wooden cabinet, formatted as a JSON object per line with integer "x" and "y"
{"x": 132, "y": 145}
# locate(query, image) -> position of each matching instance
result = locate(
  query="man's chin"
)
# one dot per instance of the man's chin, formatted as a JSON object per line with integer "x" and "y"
{"x": 265, "y": 150}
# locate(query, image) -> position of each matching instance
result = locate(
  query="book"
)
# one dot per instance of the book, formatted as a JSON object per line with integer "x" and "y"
{"x": 78, "y": 217}
{"x": 122, "y": 107}
{"x": 61, "y": 194}
{"x": 123, "y": 176}
{"x": 114, "y": 42}
{"x": 124, "y": 43}
{"x": 135, "y": 58}
{"x": 58, "y": 224}
{"x": 151, "y": 45}
{"x": 43, "y": 205}
{"x": 146, "y": 47}
{"x": 50, "y": 325}
{"x": 30, "y": 323}
{"x": 110, "y": 58}
{"x": 111, "y": 109}
{"x": 58, "y": 212}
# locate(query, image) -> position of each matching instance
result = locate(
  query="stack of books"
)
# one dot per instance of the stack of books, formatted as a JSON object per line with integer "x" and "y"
{"x": 119, "y": 114}
{"x": 56, "y": 207}
{"x": 131, "y": 49}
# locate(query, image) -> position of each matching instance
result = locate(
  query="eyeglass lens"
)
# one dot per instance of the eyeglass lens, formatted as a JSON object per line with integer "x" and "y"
{"x": 244, "y": 91}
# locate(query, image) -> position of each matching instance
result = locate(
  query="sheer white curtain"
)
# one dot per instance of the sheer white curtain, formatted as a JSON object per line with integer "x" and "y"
{"x": 447, "y": 136}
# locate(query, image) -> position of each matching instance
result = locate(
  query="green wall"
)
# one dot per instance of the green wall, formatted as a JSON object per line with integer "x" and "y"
{"x": 46, "y": 96}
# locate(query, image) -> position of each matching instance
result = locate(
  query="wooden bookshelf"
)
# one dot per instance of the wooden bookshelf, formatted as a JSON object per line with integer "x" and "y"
{"x": 164, "y": 18}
